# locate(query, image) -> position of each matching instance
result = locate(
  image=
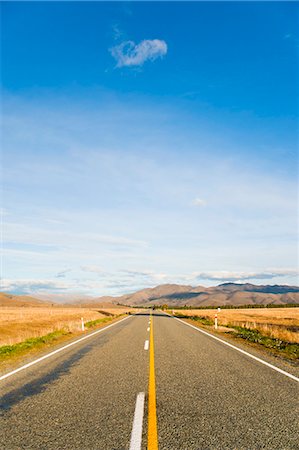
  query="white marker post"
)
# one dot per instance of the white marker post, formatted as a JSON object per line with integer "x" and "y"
{"x": 82, "y": 324}
{"x": 216, "y": 321}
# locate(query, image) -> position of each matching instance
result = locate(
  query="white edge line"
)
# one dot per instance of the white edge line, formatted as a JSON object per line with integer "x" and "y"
{"x": 136, "y": 436}
{"x": 238, "y": 349}
{"x": 61, "y": 349}
{"x": 146, "y": 345}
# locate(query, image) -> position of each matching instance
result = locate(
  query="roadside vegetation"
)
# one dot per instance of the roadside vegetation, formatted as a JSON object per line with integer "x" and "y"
{"x": 29, "y": 344}
{"x": 20, "y": 323}
{"x": 28, "y": 330}
{"x": 275, "y": 330}
{"x": 254, "y": 306}
{"x": 200, "y": 319}
{"x": 288, "y": 348}
{"x": 47, "y": 340}
{"x": 94, "y": 323}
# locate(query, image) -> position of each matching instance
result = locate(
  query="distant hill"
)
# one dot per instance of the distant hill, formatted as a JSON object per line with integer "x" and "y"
{"x": 268, "y": 289}
{"x": 65, "y": 298}
{"x": 225, "y": 294}
{"x": 173, "y": 295}
{"x": 20, "y": 300}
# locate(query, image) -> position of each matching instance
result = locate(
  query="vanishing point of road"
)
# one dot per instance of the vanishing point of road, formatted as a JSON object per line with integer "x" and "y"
{"x": 149, "y": 381}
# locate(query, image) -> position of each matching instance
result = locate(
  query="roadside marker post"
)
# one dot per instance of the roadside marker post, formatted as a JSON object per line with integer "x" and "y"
{"x": 82, "y": 324}
{"x": 216, "y": 321}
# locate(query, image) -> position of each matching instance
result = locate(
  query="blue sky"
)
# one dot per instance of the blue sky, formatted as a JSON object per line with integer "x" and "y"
{"x": 147, "y": 143}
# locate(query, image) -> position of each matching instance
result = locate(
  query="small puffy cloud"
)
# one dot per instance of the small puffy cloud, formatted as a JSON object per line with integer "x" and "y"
{"x": 129, "y": 54}
{"x": 199, "y": 202}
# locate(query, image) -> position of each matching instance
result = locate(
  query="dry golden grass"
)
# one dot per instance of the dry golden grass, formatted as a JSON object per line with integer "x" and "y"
{"x": 279, "y": 323}
{"x": 18, "y": 324}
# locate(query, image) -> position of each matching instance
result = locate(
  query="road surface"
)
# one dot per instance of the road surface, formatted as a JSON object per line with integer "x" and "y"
{"x": 149, "y": 374}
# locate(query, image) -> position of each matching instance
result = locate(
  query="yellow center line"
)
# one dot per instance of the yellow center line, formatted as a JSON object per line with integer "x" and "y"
{"x": 152, "y": 433}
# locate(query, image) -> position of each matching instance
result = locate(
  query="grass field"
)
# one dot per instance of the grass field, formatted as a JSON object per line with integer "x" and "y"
{"x": 277, "y": 323}
{"x": 18, "y": 324}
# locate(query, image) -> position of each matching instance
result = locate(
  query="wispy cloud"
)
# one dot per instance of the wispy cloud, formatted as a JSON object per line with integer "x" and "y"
{"x": 93, "y": 269}
{"x": 224, "y": 276}
{"x": 126, "y": 281}
{"x": 33, "y": 237}
{"x": 117, "y": 32}
{"x": 129, "y": 54}
{"x": 31, "y": 286}
{"x": 199, "y": 202}
{"x": 149, "y": 275}
{"x": 63, "y": 273}
{"x": 4, "y": 212}
{"x": 111, "y": 206}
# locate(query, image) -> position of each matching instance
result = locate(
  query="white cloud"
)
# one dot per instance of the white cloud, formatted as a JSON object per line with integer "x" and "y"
{"x": 126, "y": 281}
{"x": 62, "y": 273}
{"x": 149, "y": 275}
{"x": 130, "y": 54}
{"x": 37, "y": 235}
{"x": 119, "y": 207}
{"x": 199, "y": 202}
{"x": 93, "y": 269}
{"x": 225, "y": 276}
{"x": 51, "y": 286}
{"x": 31, "y": 286}
{"x": 4, "y": 212}
{"x": 117, "y": 32}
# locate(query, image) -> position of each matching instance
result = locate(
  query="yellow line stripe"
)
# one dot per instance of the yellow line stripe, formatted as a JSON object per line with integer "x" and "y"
{"x": 152, "y": 434}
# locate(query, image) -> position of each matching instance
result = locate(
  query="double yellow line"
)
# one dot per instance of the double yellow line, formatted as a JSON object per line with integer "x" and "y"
{"x": 152, "y": 432}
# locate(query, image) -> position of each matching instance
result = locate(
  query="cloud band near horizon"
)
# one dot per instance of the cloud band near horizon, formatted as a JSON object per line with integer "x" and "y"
{"x": 124, "y": 281}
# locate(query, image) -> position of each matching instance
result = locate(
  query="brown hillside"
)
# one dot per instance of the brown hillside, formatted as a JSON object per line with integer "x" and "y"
{"x": 20, "y": 300}
{"x": 226, "y": 294}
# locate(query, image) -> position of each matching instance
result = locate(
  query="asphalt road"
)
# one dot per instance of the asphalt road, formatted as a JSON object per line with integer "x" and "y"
{"x": 208, "y": 396}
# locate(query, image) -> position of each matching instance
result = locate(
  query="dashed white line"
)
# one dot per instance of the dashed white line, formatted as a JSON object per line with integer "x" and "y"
{"x": 60, "y": 349}
{"x": 136, "y": 435}
{"x": 146, "y": 344}
{"x": 148, "y": 329}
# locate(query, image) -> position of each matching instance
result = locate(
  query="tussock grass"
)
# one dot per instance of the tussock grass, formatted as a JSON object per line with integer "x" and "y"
{"x": 34, "y": 343}
{"x": 276, "y": 323}
{"x": 94, "y": 323}
{"x": 30, "y": 344}
{"x": 279, "y": 332}
{"x": 20, "y": 323}
{"x": 201, "y": 319}
{"x": 291, "y": 349}
{"x": 275, "y": 329}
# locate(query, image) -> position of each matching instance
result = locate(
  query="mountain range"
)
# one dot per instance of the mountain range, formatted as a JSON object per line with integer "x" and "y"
{"x": 224, "y": 294}
{"x": 173, "y": 295}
